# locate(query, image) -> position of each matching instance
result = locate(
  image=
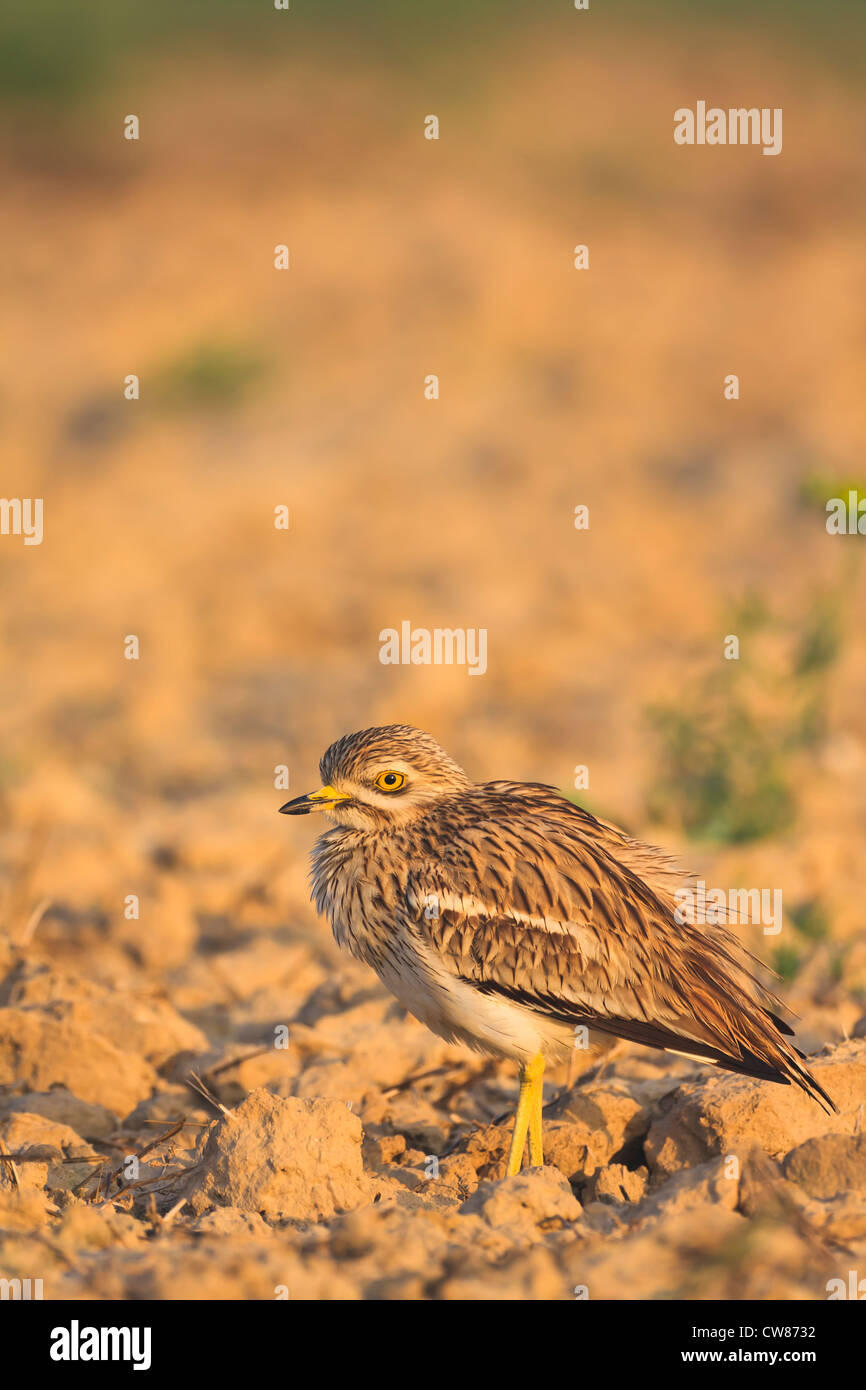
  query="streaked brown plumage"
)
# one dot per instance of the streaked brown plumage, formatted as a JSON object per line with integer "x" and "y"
{"x": 504, "y": 916}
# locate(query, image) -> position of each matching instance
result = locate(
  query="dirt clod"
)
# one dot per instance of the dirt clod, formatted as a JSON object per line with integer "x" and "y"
{"x": 282, "y": 1157}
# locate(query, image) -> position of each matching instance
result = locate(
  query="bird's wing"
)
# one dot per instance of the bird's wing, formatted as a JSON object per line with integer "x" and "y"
{"x": 528, "y": 901}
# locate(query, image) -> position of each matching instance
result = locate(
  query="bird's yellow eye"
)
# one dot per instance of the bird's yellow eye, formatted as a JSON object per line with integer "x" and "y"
{"x": 389, "y": 781}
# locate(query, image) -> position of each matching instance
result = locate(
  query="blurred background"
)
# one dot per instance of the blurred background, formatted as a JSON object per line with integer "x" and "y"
{"x": 305, "y": 388}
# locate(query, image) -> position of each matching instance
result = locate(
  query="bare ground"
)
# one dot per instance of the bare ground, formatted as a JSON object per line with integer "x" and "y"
{"x": 155, "y": 778}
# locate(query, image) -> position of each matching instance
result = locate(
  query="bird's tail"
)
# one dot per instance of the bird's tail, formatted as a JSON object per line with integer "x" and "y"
{"x": 739, "y": 1020}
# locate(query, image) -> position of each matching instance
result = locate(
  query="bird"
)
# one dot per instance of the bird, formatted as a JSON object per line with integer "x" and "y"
{"x": 504, "y": 916}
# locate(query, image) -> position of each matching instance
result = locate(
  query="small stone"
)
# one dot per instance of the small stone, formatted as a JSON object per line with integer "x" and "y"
{"x": 231, "y": 1221}
{"x": 714, "y": 1183}
{"x": 38, "y": 1050}
{"x": 829, "y": 1166}
{"x": 286, "y": 1158}
{"x": 617, "y": 1184}
{"x": 587, "y": 1128}
{"x": 733, "y": 1114}
{"x": 518, "y": 1206}
{"x": 59, "y": 1104}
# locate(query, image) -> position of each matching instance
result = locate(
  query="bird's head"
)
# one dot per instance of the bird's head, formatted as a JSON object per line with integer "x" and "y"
{"x": 380, "y": 777}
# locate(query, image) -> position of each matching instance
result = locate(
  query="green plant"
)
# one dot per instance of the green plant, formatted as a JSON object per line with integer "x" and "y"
{"x": 725, "y": 753}
{"x": 787, "y": 962}
{"x": 811, "y": 919}
{"x": 209, "y": 374}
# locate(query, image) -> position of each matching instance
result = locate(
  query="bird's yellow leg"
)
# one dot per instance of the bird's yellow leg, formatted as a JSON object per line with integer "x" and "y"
{"x": 521, "y": 1125}
{"x": 536, "y": 1155}
{"x": 527, "y": 1106}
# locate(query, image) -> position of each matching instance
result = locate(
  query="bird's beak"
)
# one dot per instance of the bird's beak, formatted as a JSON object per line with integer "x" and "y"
{"x": 314, "y": 801}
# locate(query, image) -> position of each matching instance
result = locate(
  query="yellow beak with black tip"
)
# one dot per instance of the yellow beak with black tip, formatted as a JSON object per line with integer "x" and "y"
{"x": 314, "y": 801}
